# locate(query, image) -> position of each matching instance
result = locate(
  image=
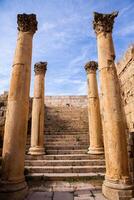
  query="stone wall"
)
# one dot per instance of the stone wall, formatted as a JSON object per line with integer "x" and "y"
{"x": 125, "y": 71}
{"x": 69, "y": 101}
{"x": 3, "y": 105}
{"x": 66, "y": 113}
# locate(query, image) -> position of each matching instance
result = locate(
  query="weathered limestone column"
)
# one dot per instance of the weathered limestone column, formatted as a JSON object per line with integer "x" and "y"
{"x": 37, "y": 133}
{"x": 13, "y": 185}
{"x": 117, "y": 183}
{"x": 95, "y": 126}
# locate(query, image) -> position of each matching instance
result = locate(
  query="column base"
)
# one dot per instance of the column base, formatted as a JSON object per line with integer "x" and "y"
{"x": 117, "y": 191}
{"x": 13, "y": 191}
{"x": 36, "y": 151}
{"x": 96, "y": 151}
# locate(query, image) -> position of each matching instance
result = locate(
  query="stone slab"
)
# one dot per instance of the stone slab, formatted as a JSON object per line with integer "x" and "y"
{"x": 40, "y": 196}
{"x": 63, "y": 196}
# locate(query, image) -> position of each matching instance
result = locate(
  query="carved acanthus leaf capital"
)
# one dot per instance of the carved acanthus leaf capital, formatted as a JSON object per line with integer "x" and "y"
{"x": 40, "y": 68}
{"x": 27, "y": 23}
{"x": 104, "y": 22}
{"x": 91, "y": 66}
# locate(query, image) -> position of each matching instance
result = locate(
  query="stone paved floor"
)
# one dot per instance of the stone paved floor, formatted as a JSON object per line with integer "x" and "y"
{"x": 66, "y": 191}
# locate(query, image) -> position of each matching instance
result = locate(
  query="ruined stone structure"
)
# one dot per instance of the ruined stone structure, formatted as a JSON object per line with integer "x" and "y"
{"x": 66, "y": 143}
{"x": 37, "y": 134}
{"x": 95, "y": 126}
{"x": 63, "y": 137}
{"x": 125, "y": 71}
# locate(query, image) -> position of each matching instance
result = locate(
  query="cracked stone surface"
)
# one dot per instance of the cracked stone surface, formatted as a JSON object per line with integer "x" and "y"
{"x": 65, "y": 191}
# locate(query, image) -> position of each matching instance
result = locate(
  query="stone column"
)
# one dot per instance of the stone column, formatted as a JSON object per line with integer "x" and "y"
{"x": 117, "y": 182}
{"x": 95, "y": 126}
{"x": 13, "y": 185}
{"x": 37, "y": 133}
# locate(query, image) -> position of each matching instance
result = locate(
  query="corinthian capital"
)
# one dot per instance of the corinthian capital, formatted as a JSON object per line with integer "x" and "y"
{"x": 104, "y": 22}
{"x": 91, "y": 66}
{"x": 40, "y": 68}
{"x": 27, "y": 23}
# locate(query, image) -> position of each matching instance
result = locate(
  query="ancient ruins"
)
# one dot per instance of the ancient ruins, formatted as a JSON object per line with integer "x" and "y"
{"x": 69, "y": 137}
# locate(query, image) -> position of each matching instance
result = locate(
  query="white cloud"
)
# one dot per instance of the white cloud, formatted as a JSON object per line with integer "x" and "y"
{"x": 65, "y": 38}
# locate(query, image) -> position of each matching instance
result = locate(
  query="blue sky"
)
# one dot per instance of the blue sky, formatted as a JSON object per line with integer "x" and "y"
{"x": 65, "y": 39}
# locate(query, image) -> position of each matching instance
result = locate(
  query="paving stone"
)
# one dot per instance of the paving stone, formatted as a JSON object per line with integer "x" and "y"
{"x": 40, "y": 196}
{"x": 84, "y": 198}
{"x": 99, "y": 196}
{"x": 63, "y": 196}
{"x": 82, "y": 192}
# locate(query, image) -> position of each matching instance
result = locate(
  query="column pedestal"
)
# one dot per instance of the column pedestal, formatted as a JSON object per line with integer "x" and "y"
{"x": 36, "y": 150}
{"x": 114, "y": 190}
{"x": 96, "y": 151}
{"x": 15, "y": 191}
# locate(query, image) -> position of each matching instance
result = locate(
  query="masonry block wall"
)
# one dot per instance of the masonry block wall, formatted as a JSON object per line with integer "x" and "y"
{"x": 125, "y": 72}
{"x": 65, "y": 113}
{"x": 3, "y": 106}
{"x": 66, "y": 101}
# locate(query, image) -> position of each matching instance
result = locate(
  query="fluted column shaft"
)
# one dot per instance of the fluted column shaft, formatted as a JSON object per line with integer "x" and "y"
{"x": 95, "y": 126}
{"x": 37, "y": 133}
{"x": 117, "y": 174}
{"x": 13, "y": 181}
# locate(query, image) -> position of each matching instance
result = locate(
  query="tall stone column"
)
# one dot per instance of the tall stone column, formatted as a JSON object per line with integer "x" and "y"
{"x": 95, "y": 126}
{"x": 13, "y": 185}
{"x": 117, "y": 182}
{"x": 37, "y": 134}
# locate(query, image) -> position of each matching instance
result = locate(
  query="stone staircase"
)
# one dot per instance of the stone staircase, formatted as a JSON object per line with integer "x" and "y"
{"x": 66, "y": 142}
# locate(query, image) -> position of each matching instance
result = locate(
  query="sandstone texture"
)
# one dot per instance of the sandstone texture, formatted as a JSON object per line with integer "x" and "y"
{"x": 125, "y": 71}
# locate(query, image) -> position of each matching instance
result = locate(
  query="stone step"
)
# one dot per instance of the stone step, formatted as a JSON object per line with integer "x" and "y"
{"x": 65, "y": 119}
{"x": 64, "y": 157}
{"x": 53, "y": 140}
{"x": 77, "y": 138}
{"x": 64, "y": 162}
{"x": 71, "y": 143}
{"x": 65, "y": 131}
{"x": 62, "y": 152}
{"x": 64, "y": 144}
{"x": 65, "y": 113}
{"x": 65, "y": 147}
{"x": 73, "y": 132}
{"x": 61, "y": 135}
{"x": 65, "y": 140}
{"x": 57, "y": 119}
{"x": 64, "y": 176}
{"x": 66, "y": 135}
{"x": 65, "y": 169}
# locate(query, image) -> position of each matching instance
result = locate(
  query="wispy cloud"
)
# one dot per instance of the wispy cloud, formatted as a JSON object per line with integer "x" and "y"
{"x": 65, "y": 39}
